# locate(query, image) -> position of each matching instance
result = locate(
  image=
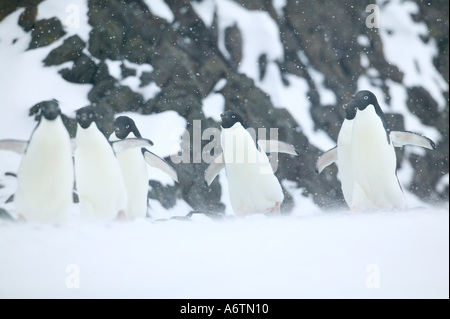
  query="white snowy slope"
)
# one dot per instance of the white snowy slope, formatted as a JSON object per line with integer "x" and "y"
{"x": 404, "y": 255}
{"x": 309, "y": 254}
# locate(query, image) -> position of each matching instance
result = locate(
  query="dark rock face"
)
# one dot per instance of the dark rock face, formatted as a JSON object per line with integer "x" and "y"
{"x": 28, "y": 17}
{"x": 9, "y": 6}
{"x": 187, "y": 64}
{"x": 70, "y": 50}
{"x": 83, "y": 70}
{"x": 46, "y": 32}
{"x": 434, "y": 14}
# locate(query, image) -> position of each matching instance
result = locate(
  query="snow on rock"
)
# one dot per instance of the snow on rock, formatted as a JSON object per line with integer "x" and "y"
{"x": 404, "y": 47}
{"x": 160, "y": 9}
{"x": 327, "y": 96}
{"x": 279, "y": 6}
{"x": 260, "y": 33}
{"x": 205, "y": 10}
{"x": 214, "y": 103}
{"x": 294, "y": 97}
{"x": 72, "y": 14}
{"x": 133, "y": 82}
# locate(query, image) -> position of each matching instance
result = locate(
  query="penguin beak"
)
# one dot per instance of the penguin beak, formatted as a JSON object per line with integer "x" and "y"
{"x": 222, "y": 115}
{"x": 51, "y": 111}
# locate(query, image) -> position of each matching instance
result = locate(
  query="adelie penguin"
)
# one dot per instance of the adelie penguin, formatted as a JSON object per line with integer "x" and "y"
{"x": 365, "y": 178}
{"x": 253, "y": 187}
{"x": 133, "y": 164}
{"x": 45, "y": 175}
{"x": 99, "y": 181}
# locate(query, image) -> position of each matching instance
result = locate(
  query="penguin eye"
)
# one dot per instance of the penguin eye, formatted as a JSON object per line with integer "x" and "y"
{"x": 233, "y": 116}
{"x": 366, "y": 97}
{"x": 91, "y": 115}
{"x": 128, "y": 126}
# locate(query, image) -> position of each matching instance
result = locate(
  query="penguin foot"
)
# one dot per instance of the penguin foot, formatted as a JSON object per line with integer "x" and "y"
{"x": 276, "y": 209}
{"x": 4, "y": 215}
{"x": 354, "y": 210}
{"x": 121, "y": 216}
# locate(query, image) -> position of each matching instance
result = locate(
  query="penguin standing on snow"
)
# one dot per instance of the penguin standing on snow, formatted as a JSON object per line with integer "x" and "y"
{"x": 341, "y": 154}
{"x": 133, "y": 164}
{"x": 373, "y": 158}
{"x": 99, "y": 182}
{"x": 45, "y": 175}
{"x": 253, "y": 187}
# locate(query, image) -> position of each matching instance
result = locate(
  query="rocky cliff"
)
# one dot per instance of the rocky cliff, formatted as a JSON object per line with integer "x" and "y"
{"x": 326, "y": 44}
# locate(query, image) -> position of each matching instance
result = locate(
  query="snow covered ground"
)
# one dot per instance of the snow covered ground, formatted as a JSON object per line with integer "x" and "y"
{"x": 309, "y": 254}
{"x": 324, "y": 255}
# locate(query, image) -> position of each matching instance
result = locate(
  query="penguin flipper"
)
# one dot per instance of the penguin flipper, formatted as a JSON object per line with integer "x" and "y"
{"x": 402, "y": 138}
{"x": 157, "y": 162}
{"x": 120, "y": 146}
{"x": 326, "y": 159}
{"x": 274, "y": 146}
{"x": 16, "y": 146}
{"x": 4, "y": 215}
{"x": 214, "y": 169}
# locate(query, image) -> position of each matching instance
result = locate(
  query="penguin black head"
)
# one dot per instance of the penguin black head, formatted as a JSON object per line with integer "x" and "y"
{"x": 350, "y": 110}
{"x": 50, "y": 109}
{"x": 364, "y": 99}
{"x": 123, "y": 126}
{"x": 85, "y": 116}
{"x": 229, "y": 118}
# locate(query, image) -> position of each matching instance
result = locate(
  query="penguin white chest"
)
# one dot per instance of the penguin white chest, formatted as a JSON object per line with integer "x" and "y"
{"x": 253, "y": 187}
{"x": 135, "y": 176}
{"x": 99, "y": 180}
{"x": 370, "y": 146}
{"x": 45, "y": 176}
{"x": 374, "y": 164}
